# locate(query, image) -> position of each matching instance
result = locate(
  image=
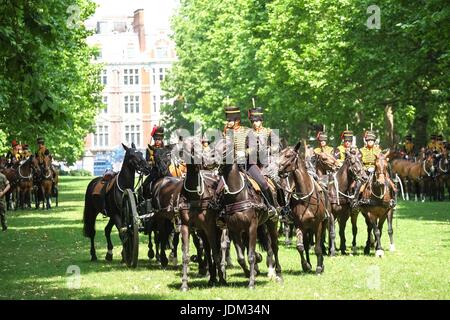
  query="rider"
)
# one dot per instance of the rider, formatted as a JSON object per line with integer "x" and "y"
{"x": 15, "y": 154}
{"x": 40, "y": 154}
{"x": 369, "y": 154}
{"x": 322, "y": 138}
{"x": 440, "y": 143}
{"x": 158, "y": 143}
{"x": 432, "y": 145}
{"x": 408, "y": 148}
{"x": 26, "y": 152}
{"x": 258, "y": 148}
{"x": 347, "y": 139}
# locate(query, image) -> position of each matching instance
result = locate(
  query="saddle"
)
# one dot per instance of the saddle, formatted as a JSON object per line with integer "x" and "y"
{"x": 105, "y": 184}
{"x": 256, "y": 186}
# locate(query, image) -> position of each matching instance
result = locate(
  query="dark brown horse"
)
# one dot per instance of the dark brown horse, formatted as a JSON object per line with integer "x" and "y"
{"x": 309, "y": 207}
{"x": 44, "y": 184}
{"x": 341, "y": 194}
{"x": 417, "y": 172}
{"x": 378, "y": 205}
{"x": 106, "y": 197}
{"x": 247, "y": 219}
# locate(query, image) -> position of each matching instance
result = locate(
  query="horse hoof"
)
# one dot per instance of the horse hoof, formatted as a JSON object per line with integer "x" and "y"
{"x": 271, "y": 274}
{"x": 184, "y": 288}
{"x": 319, "y": 270}
{"x": 306, "y": 267}
{"x": 279, "y": 280}
{"x": 150, "y": 254}
{"x": 379, "y": 253}
{"x": 223, "y": 282}
{"x": 251, "y": 286}
{"x": 392, "y": 248}
{"x": 109, "y": 256}
{"x": 94, "y": 258}
{"x": 212, "y": 283}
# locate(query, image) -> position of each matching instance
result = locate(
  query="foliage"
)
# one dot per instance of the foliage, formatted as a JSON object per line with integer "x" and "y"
{"x": 48, "y": 87}
{"x": 313, "y": 62}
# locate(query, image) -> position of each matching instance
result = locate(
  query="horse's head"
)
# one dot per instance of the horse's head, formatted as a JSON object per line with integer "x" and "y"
{"x": 381, "y": 164}
{"x": 136, "y": 159}
{"x": 288, "y": 160}
{"x": 355, "y": 165}
{"x": 163, "y": 159}
{"x": 327, "y": 161}
{"x": 35, "y": 165}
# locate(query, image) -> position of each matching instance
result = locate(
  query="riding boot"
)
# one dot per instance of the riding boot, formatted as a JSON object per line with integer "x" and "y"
{"x": 270, "y": 201}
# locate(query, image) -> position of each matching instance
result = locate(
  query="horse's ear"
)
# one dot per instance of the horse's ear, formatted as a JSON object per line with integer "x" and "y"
{"x": 387, "y": 154}
{"x": 133, "y": 145}
{"x": 125, "y": 147}
{"x": 297, "y": 146}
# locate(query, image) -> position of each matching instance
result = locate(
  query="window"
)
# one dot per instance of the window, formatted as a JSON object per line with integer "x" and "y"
{"x": 131, "y": 104}
{"x": 161, "y": 74}
{"x": 163, "y": 101}
{"x": 133, "y": 134}
{"x": 154, "y": 76}
{"x": 162, "y": 52}
{"x": 101, "y": 136}
{"x": 105, "y": 102}
{"x": 130, "y": 77}
{"x": 104, "y": 77}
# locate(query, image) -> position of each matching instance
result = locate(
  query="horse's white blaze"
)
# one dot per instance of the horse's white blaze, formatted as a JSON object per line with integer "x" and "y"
{"x": 271, "y": 273}
{"x": 392, "y": 248}
{"x": 379, "y": 253}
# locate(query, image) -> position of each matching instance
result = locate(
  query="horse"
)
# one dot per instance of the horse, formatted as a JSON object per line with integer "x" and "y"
{"x": 247, "y": 219}
{"x": 418, "y": 171}
{"x": 341, "y": 194}
{"x": 13, "y": 177}
{"x": 309, "y": 207}
{"x": 45, "y": 183}
{"x": 105, "y": 196}
{"x": 25, "y": 171}
{"x": 198, "y": 189}
{"x": 378, "y": 205}
{"x": 442, "y": 174}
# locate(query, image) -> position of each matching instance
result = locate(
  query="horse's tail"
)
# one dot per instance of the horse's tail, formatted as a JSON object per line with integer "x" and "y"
{"x": 263, "y": 238}
{"x": 89, "y": 214}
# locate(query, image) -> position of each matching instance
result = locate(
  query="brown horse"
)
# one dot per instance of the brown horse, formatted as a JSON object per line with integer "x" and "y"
{"x": 198, "y": 190}
{"x": 378, "y": 205}
{"x": 400, "y": 168}
{"x": 341, "y": 194}
{"x": 13, "y": 178}
{"x": 418, "y": 171}
{"x": 309, "y": 207}
{"x": 25, "y": 171}
{"x": 443, "y": 174}
{"x": 45, "y": 184}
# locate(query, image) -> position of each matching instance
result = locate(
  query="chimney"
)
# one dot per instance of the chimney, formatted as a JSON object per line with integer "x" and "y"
{"x": 139, "y": 28}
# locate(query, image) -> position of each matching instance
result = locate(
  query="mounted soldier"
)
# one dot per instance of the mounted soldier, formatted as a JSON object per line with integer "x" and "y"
{"x": 157, "y": 135}
{"x": 42, "y": 151}
{"x": 259, "y": 147}
{"x": 347, "y": 139}
{"x": 408, "y": 148}
{"x": 369, "y": 154}
{"x": 26, "y": 152}
{"x": 15, "y": 154}
{"x": 322, "y": 138}
{"x": 433, "y": 145}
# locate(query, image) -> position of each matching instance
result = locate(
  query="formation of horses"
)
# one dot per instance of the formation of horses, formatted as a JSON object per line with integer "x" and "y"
{"x": 313, "y": 195}
{"x": 30, "y": 180}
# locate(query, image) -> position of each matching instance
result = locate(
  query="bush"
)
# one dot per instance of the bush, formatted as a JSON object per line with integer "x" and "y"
{"x": 80, "y": 173}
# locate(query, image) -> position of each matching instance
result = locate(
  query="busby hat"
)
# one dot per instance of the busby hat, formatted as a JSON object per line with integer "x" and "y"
{"x": 232, "y": 113}
{"x": 347, "y": 135}
{"x": 370, "y": 135}
{"x": 40, "y": 140}
{"x": 408, "y": 137}
{"x": 158, "y": 133}
{"x": 322, "y": 136}
{"x": 433, "y": 137}
{"x": 255, "y": 114}
{"x": 440, "y": 137}
{"x": 14, "y": 143}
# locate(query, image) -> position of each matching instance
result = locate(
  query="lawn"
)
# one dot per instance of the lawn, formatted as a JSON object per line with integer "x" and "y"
{"x": 40, "y": 247}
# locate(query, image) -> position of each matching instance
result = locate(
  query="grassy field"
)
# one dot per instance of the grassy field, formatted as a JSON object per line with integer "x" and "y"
{"x": 40, "y": 246}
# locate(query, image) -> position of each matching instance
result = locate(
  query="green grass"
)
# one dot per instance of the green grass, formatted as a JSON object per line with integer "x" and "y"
{"x": 39, "y": 246}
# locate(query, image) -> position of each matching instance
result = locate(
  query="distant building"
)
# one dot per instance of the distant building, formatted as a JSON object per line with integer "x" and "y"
{"x": 135, "y": 61}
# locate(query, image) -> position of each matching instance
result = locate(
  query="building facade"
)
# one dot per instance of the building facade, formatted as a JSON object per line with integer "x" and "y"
{"x": 136, "y": 61}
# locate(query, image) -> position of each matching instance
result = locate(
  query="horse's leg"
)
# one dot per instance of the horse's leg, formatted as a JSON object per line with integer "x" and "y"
{"x": 342, "y": 220}
{"x": 224, "y": 250}
{"x": 378, "y": 228}
{"x": 287, "y": 230}
{"x": 332, "y": 234}
{"x": 308, "y": 239}
{"x": 354, "y": 220}
{"x": 164, "y": 241}
{"x": 318, "y": 249}
{"x": 390, "y": 216}
{"x": 108, "y": 228}
{"x": 185, "y": 246}
{"x": 157, "y": 245}
{"x": 209, "y": 258}
{"x": 237, "y": 240}
{"x": 150, "y": 253}
{"x": 273, "y": 235}
{"x": 174, "y": 254}
{"x": 301, "y": 250}
{"x": 43, "y": 197}
{"x": 199, "y": 245}
{"x": 252, "y": 233}
{"x": 369, "y": 232}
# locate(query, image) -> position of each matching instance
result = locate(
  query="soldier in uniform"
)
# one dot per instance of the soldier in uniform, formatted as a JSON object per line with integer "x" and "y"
{"x": 158, "y": 142}
{"x": 42, "y": 150}
{"x": 4, "y": 188}
{"x": 347, "y": 139}
{"x": 15, "y": 154}
{"x": 369, "y": 154}
{"x": 408, "y": 148}
{"x": 258, "y": 147}
{"x": 322, "y": 138}
{"x": 26, "y": 152}
{"x": 432, "y": 145}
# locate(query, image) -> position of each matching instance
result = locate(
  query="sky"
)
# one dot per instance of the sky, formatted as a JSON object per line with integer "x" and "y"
{"x": 157, "y": 12}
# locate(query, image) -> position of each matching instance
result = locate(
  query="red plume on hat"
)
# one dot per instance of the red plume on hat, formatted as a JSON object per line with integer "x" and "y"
{"x": 14, "y": 143}
{"x": 155, "y": 127}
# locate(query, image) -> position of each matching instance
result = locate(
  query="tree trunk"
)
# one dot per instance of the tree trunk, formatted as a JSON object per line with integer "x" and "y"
{"x": 389, "y": 126}
{"x": 420, "y": 126}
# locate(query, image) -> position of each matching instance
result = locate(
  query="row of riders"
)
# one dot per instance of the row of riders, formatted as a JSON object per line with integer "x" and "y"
{"x": 242, "y": 201}
{"x": 27, "y": 174}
